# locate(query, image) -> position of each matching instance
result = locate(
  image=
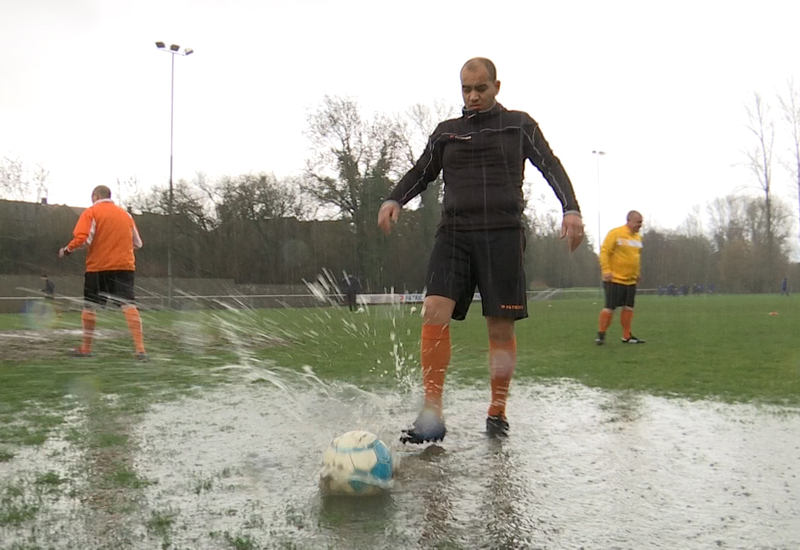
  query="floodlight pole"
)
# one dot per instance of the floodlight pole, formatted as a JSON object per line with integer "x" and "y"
{"x": 599, "y": 154}
{"x": 174, "y": 49}
{"x": 599, "y": 234}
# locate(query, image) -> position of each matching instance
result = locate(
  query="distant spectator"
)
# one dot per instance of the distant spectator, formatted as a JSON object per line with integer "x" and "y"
{"x": 49, "y": 291}
{"x": 351, "y": 287}
{"x": 785, "y": 287}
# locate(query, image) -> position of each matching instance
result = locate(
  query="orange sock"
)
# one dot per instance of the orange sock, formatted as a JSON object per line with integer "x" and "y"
{"x": 435, "y": 357}
{"x": 88, "y": 320}
{"x": 626, "y": 317}
{"x": 135, "y": 326}
{"x": 502, "y": 362}
{"x": 605, "y": 319}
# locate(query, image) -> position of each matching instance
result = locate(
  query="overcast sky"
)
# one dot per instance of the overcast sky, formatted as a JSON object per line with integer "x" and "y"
{"x": 660, "y": 87}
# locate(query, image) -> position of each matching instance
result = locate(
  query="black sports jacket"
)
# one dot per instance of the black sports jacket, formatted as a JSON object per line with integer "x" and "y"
{"x": 483, "y": 157}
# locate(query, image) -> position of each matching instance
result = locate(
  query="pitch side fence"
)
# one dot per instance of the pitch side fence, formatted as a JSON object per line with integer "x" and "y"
{"x": 185, "y": 301}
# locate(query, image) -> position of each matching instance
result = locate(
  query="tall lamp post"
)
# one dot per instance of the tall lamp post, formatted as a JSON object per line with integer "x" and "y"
{"x": 599, "y": 234}
{"x": 174, "y": 50}
{"x": 599, "y": 154}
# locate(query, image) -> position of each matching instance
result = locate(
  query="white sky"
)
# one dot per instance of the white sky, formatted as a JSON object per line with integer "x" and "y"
{"x": 660, "y": 87}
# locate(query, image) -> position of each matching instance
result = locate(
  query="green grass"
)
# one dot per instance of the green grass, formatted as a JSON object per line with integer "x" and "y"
{"x": 125, "y": 478}
{"x": 725, "y": 348}
{"x": 161, "y": 523}
{"x": 16, "y": 506}
{"x": 50, "y": 478}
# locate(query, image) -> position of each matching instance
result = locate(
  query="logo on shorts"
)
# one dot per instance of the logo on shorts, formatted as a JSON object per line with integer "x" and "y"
{"x": 511, "y": 306}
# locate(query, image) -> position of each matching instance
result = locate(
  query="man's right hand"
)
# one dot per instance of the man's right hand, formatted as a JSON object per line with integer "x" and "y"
{"x": 387, "y": 215}
{"x": 608, "y": 276}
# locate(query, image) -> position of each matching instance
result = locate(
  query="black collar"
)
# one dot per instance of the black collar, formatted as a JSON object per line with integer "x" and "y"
{"x": 478, "y": 115}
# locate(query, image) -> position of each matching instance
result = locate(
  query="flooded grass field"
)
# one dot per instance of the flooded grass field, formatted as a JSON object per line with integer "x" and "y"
{"x": 217, "y": 449}
{"x": 237, "y": 467}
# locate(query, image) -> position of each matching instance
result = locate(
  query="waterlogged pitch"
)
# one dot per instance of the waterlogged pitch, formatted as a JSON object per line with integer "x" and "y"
{"x": 685, "y": 442}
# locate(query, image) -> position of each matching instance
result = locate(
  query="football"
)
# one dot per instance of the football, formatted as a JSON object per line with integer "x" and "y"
{"x": 356, "y": 463}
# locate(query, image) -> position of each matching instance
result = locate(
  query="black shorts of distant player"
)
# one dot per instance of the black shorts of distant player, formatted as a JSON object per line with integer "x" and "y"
{"x": 619, "y": 295}
{"x": 490, "y": 260}
{"x": 101, "y": 286}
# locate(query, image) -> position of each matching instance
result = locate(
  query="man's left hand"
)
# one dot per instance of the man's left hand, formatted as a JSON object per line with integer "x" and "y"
{"x": 572, "y": 229}
{"x": 63, "y": 252}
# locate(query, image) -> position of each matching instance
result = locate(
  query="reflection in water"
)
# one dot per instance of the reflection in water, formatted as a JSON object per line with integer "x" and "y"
{"x": 238, "y": 467}
{"x": 581, "y": 468}
{"x": 426, "y": 470}
{"x": 508, "y": 521}
{"x": 348, "y": 517}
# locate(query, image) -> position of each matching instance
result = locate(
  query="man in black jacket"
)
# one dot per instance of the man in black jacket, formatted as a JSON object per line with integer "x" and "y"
{"x": 351, "y": 287}
{"x": 480, "y": 241}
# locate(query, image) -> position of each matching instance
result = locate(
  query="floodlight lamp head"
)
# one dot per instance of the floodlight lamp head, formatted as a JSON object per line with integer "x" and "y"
{"x": 174, "y": 47}
{"x": 159, "y": 45}
{"x": 188, "y": 51}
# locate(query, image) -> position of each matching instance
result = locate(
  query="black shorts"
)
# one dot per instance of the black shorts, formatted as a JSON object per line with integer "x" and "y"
{"x": 618, "y": 295}
{"x": 100, "y": 286}
{"x": 491, "y": 261}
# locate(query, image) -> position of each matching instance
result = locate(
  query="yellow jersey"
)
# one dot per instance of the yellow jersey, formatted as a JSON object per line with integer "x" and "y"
{"x": 621, "y": 255}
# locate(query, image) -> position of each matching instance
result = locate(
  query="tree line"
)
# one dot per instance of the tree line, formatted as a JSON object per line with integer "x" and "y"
{"x": 257, "y": 228}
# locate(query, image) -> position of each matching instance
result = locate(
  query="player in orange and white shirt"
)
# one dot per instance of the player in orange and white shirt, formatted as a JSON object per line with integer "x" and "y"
{"x": 620, "y": 264}
{"x": 111, "y": 236}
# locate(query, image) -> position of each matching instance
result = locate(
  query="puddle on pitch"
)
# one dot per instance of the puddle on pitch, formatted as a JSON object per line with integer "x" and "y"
{"x": 583, "y": 468}
{"x": 237, "y": 467}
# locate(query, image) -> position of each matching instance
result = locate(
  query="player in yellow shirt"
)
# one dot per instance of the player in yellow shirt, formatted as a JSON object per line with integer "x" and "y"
{"x": 620, "y": 263}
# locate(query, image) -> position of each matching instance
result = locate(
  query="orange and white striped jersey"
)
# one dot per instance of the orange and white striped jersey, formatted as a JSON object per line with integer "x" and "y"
{"x": 621, "y": 254}
{"x": 111, "y": 235}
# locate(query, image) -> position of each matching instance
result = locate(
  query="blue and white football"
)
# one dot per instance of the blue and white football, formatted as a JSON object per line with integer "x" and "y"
{"x": 356, "y": 463}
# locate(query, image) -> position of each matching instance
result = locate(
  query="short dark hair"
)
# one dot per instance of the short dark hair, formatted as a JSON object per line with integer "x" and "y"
{"x": 473, "y": 64}
{"x": 102, "y": 191}
{"x": 44, "y": 276}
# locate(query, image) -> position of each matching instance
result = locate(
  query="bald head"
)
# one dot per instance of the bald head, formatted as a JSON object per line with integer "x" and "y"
{"x": 479, "y": 84}
{"x": 101, "y": 192}
{"x": 477, "y": 63}
{"x": 634, "y": 220}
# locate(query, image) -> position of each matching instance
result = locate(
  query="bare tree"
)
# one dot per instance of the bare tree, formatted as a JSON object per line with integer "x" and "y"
{"x": 417, "y": 124}
{"x": 257, "y": 197}
{"x": 790, "y": 109}
{"x": 14, "y": 184}
{"x": 352, "y": 165}
{"x": 759, "y": 157}
{"x": 41, "y": 180}
{"x": 727, "y": 220}
{"x": 692, "y": 225}
{"x": 20, "y": 182}
{"x": 128, "y": 191}
{"x": 347, "y": 151}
